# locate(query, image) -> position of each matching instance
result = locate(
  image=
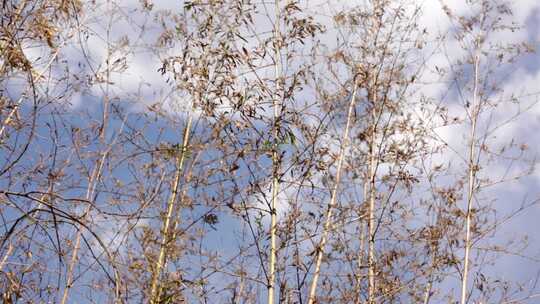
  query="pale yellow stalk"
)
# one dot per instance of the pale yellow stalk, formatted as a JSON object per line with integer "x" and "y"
{"x": 371, "y": 211}
{"x": 155, "y": 289}
{"x": 471, "y": 180}
{"x": 275, "y": 177}
{"x": 333, "y": 198}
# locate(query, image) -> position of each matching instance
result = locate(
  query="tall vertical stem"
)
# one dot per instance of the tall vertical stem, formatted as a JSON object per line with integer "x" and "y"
{"x": 371, "y": 210}
{"x": 471, "y": 180}
{"x": 92, "y": 184}
{"x": 331, "y": 205}
{"x": 165, "y": 233}
{"x": 275, "y": 160}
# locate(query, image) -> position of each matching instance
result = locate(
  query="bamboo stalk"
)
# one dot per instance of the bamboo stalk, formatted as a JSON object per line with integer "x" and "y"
{"x": 332, "y": 203}
{"x": 275, "y": 177}
{"x": 6, "y": 256}
{"x": 155, "y": 288}
{"x": 360, "y": 258}
{"x": 371, "y": 210}
{"x": 427, "y": 293}
{"x": 471, "y": 180}
{"x": 92, "y": 183}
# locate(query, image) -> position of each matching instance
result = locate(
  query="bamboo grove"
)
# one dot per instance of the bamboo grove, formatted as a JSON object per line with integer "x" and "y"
{"x": 242, "y": 151}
